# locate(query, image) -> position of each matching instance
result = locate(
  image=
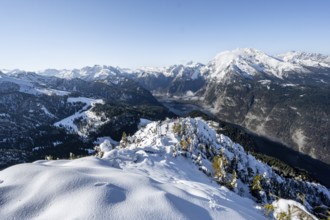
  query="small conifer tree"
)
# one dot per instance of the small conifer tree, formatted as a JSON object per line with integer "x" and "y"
{"x": 233, "y": 183}
{"x": 268, "y": 209}
{"x": 256, "y": 187}
{"x": 183, "y": 144}
{"x": 123, "y": 141}
{"x": 218, "y": 167}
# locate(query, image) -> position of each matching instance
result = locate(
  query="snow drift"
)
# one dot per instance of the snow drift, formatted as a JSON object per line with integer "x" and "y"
{"x": 151, "y": 176}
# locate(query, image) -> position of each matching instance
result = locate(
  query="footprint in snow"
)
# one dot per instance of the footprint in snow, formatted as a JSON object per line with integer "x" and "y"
{"x": 100, "y": 184}
{"x": 1, "y": 181}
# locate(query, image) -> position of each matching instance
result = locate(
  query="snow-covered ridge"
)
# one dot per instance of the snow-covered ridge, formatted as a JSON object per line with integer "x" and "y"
{"x": 190, "y": 70}
{"x": 246, "y": 62}
{"x": 306, "y": 59}
{"x": 86, "y": 114}
{"x": 29, "y": 85}
{"x": 88, "y": 73}
{"x": 163, "y": 171}
{"x": 195, "y": 140}
{"x": 250, "y": 62}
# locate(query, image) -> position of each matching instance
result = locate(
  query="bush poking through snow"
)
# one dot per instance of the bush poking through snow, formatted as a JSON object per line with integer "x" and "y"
{"x": 289, "y": 209}
{"x": 233, "y": 183}
{"x": 73, "y": 156}
{"x": 269, "y": 208}
{"x": 282, "y": 216}
{"x": 123, "y": 141}
{"x": 49, "y": 157}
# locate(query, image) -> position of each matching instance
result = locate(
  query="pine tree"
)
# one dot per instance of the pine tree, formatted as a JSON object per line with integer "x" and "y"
{"x": 174, "y": 128}
{"x": 256, "y": 183}
{"x": 49, "y": 157}
{"x": 268, "y": 209}
{"x": 302, "y": 197}
{"x": 72, "y": 156}
{"x": 219, "y": 169}
{"x": 183, "y": 144}
{"x": 233, "y": 183}
{"x": 216, "y": 165}
{"x": 189, "y": 140}
{"x": 256, "y": 187}
{"x": 123, "y": 141}
{"x": 124, "y": 136}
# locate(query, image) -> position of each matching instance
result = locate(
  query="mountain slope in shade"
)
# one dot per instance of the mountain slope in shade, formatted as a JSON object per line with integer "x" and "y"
{"x": 284, "y": 98}
{"x": 34, "y": 109}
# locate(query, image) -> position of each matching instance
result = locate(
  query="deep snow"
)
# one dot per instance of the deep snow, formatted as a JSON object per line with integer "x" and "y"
{"x": 144, "y": 180}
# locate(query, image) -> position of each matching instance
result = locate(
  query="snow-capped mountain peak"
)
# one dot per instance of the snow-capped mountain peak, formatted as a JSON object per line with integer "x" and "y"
{"x": 249, "y": 62}
{"x": 306, "y": 59}
{"x": 12, "y": 72}
{"x": 243, "y": 62}
{"x": 188, "y": 71}
{"x": 96, "y": 72}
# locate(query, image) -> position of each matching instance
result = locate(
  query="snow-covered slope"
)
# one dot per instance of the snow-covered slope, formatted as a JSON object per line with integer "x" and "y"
{"x": 306, "y": 59}
{"x": 188, "y": 71}
{"x": 29, "y": 84}
{"x": 90, "y": 119}
{"x": 151, "y": 175}
{"x": 96, "y": 72}
{"x": 250, "y": 62}
{"x": 91, "y": 188}
{"x": 245, "y": 62}
{"x": 133, "y": 183}
{"x": 23, "y": 85}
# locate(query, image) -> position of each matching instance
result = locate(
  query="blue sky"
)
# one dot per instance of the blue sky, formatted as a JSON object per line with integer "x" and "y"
{"x": 39, "y": 34}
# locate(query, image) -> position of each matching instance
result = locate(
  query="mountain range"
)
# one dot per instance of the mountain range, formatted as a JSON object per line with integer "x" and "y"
{"x": 181, "y": 162}
{"x": 284, "y": 98}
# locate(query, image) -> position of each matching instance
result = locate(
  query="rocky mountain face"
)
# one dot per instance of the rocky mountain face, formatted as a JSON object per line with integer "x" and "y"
{"x": 42, "y": 115}
{"x": 285, "y": 97}
{"x": 176, "y": 79}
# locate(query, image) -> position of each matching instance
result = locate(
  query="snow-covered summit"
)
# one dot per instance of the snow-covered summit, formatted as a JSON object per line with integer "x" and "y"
{"x": 96, "y": 72}
{"x": 249, "y": 62}
{"x": 306, "y": 59}
{"x": 190, "y": 70}
{"x": 245, "y": 62}
{"x": 11, "y": 72}
{"x": 194, "y": 143}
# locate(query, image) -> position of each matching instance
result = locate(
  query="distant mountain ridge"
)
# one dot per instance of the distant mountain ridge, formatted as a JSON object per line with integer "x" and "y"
{"x": 246, "y": 61}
